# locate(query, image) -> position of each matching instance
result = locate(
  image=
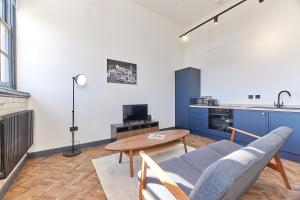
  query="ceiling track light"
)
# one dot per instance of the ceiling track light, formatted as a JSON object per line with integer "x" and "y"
{"x": 214, "y": 18}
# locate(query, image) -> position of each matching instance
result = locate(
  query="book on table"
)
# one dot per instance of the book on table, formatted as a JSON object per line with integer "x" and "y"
{"x": 156, "y": 136}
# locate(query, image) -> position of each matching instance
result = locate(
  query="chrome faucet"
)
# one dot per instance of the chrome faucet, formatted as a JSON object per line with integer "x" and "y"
{"x": 278, "y": 104}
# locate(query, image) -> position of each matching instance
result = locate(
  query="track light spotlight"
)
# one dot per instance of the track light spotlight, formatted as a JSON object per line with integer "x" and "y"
{"x": 185, "y": 38}
{"x": 216, "y": 20}
{"x": 260, "y": 1}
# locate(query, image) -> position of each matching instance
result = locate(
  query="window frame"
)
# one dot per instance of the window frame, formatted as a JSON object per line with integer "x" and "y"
{"x": 8, "y": 19}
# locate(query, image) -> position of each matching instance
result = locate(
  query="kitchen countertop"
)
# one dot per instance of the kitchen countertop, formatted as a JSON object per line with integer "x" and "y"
{"x": 251, "y": 107}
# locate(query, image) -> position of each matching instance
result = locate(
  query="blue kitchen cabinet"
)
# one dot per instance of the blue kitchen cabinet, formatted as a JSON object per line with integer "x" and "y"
{"x": 199, "y": 120}
{"x": 187, "y": 85}
{"x": 291, "y": 149}
{"x": 252, "y": 121}
{"x": 218, "y": 135}
{"x": 199, "y": 124}
{"x": 199, "y": 113}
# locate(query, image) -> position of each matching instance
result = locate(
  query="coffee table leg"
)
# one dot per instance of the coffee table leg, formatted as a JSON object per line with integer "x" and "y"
{"x": 131, "y": 163}
{"x": 120, "y": 158}
{"x": 184, "y": 143}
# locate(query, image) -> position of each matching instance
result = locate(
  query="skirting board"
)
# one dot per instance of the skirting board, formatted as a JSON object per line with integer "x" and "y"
{"x": 62, "y": 149}
{"x": 12, "y": 176}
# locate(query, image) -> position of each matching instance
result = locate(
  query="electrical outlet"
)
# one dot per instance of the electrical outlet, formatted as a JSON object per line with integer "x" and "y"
{"x": 250, "y": 96}
{"x": 257, "y": 96}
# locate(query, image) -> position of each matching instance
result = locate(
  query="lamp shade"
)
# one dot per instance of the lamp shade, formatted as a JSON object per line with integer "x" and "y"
{"x": 80, "y": 79}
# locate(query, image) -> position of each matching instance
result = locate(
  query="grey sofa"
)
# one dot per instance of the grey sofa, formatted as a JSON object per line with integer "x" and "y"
{"x": 222, "y": 170}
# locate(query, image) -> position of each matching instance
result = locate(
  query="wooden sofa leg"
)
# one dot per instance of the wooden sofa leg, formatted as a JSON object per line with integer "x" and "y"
{"x": 279, "y": 168}
{"x": 143, "y": 180}
{"x": 282, "y": 171}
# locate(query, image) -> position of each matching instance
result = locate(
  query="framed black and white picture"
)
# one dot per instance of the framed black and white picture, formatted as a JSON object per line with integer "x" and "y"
{"x": 121, "y": 72}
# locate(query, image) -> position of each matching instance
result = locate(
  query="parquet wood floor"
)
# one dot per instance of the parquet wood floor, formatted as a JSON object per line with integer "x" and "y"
{"x": 60, "y": 178}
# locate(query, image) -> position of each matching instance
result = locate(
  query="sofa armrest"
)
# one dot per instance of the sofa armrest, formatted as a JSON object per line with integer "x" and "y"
{"x": 162, "y": 176}
{"x": 234, "y": 130}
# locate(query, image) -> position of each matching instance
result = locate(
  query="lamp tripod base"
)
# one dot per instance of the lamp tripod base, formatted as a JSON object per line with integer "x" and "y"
{"x": 72, "y": 153}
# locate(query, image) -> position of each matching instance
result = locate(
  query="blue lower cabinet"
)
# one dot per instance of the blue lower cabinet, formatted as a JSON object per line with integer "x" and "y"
{"x": 199, "y": 126}
{"x": 219, "y": 135}
{"x": 199, "y": 113}
{"x": 252, "y": 121}
{"x": 291, "y": 149}
{"x": 199, "y": 120}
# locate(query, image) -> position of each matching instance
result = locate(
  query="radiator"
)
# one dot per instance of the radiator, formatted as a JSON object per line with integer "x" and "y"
{"x": 16, "y": 137}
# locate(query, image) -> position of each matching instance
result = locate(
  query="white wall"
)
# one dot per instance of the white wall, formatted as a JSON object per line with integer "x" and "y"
{"x": 61, "y": 38}
{"x": 255, "y": 49}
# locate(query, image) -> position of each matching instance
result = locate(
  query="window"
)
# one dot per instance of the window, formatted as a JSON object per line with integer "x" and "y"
{"x": 7, "y": 43}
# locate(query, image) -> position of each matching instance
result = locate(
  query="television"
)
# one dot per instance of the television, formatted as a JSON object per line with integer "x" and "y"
{"x": 133, "y": 113}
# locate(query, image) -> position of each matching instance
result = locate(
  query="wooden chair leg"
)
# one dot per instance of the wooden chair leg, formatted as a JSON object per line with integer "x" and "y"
{"x": 232, "y": 136}
{"x": 282, "y": 171}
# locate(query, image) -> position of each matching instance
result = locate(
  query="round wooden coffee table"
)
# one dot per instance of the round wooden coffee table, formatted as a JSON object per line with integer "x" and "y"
{"x": 137, "y": 143}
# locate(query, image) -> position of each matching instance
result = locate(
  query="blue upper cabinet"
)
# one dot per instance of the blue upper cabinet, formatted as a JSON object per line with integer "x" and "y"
{"x": 251, "y": 121}
{"x": 291, "y": 120}
{"x": 187, "y": 85}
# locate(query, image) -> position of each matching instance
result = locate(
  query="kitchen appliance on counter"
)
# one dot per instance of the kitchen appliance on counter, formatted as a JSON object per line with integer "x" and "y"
{"x": 204, "y": 100}
{"x": 220, "y": 119}
{"x": 213, "y": 102}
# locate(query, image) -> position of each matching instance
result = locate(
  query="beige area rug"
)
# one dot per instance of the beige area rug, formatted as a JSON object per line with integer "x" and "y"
{"x": 115, "y": 179}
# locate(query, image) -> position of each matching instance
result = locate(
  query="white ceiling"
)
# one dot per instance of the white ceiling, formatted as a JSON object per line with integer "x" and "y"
{"x": 182, "y": 12}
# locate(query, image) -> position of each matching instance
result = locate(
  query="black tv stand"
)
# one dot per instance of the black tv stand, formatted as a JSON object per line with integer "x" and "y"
{"x": 134, "y": 123}
{"x": 125, "y": 130}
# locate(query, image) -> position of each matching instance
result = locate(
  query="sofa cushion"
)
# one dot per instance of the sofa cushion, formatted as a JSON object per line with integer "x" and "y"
{"x": 179, "y": 171}
{"x": 201, "y": 158}
{"x": 224, "y": 147}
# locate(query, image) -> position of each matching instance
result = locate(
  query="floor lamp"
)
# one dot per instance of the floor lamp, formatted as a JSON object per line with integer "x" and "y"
{"x": 80, "y": 80}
